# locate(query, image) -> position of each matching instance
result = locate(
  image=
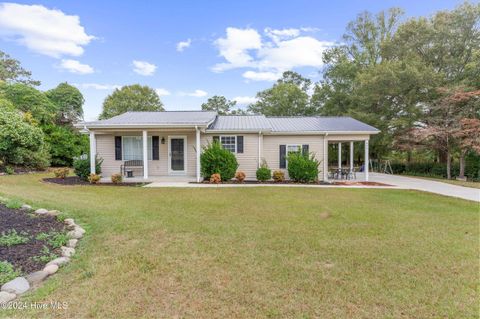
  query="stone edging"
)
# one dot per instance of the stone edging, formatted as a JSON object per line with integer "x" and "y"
{"x": 18, "y": 286}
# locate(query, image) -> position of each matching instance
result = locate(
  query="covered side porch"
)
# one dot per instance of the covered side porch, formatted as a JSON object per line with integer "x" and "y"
{"x": 343, "y": 161}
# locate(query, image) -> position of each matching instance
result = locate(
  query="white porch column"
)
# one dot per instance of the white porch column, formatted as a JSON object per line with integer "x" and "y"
{"x": 325, "y": 158}
{"x": 145, "y": 154}
{"x": 197, "y": 145}
{"x": 339, "y": 155}
{"x": 93, "y": 152}
{"x": 366, "y": 161}
{"x": 351, "y": 156}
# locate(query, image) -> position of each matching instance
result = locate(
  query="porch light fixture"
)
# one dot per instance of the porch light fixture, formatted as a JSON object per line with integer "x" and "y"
{"x": 163, "y": 140}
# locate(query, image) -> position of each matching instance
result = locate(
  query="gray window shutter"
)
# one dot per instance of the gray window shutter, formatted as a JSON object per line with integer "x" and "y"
{"x": 305, "y": 149}
{"x": 118, "y": 148}
{"x": 216, "y": 139}
{"x": 283, "y": 154}
{"x": 155, "y": 148}
{"x": 239, "y": 144}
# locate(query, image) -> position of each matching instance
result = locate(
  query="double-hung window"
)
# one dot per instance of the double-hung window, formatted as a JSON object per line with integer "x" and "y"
{"x": 229, "y": 142}
{"x": 293, "y": 148}
{"x": 132, "y": 147}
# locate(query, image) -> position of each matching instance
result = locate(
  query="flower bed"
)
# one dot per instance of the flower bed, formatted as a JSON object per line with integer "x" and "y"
{"x": 33, "y": 245}
{"x": 75, "y": 180}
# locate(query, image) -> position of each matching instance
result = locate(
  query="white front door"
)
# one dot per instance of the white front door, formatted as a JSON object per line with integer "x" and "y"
{"x": 177, "y": 155}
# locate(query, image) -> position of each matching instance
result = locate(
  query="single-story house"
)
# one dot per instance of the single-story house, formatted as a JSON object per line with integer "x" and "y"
{"x": 169, "y": 143}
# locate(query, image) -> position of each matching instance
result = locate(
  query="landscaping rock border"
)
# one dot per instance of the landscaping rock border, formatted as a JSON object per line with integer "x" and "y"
{"x": 19, "y": 285}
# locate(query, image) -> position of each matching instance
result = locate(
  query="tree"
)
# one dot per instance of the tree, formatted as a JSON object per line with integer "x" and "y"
{"x": 29, "y": 100}
{"x": 131, "y": 98}
{"x": 68, "y": 101}
{"x": 287, "y": 97}
{"x": 12, "y": 72}
{"x": 220, "y": 105}
{"x": 21, "y": 142}
{"x": 450, "y": 122}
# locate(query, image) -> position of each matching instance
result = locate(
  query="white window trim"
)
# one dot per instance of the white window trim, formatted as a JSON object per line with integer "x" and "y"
{"x": 234, "y": 136}
{"x": 299, "y": 146}
{"x": 149, "y": 152}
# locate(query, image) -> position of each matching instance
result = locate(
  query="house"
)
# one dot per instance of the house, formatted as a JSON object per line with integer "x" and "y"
{"x": 169, "y": 143}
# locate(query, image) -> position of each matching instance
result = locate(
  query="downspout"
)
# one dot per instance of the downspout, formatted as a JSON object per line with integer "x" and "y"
{"x": 259, "y": 148}
{"x": 325, "y": 158}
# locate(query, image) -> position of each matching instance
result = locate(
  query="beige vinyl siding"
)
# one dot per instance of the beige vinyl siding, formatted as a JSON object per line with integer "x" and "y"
{"x": 106, "y": 150}
{"x": 248, "y": 160}
{"x": 271, "y": 149}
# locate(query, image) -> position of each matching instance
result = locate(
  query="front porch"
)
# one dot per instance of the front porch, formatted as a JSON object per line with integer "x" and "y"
{"x": 348, "y": 169}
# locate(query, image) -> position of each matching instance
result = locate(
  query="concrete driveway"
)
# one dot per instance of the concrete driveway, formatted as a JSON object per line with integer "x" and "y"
{"x": 427, "y": 185}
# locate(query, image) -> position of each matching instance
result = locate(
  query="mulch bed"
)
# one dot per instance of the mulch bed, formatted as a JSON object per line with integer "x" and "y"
{"x": 361, "y": 183}
{"x": 75, "y": 180}
{"x": 20, "y": 256}
{"x": 346, "y": 183}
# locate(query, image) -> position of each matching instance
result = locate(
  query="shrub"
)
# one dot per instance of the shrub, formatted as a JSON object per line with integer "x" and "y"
{"x": 11, "y": 238}
{"x": 302, "y": 167}
{"x": 81, "y": 166}
{"x": 240, "y": 176}
{"x": 9, "y": 170}
{"x": 21, "y": 142}
{"x": 217, "y": 160}
{"x": 263, "y": 172}
{"x": 94, "y": 178}
{"x": 61, "y": 172}
{"x": 7, "y": 272}
{"x": 278, "y": 176}
{"x": 116, "y": 178}
{"x": 215, "y": 178}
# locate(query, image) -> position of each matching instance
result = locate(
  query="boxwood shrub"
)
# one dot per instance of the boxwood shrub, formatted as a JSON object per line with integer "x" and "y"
{"x": 217, "y": 160}
{"x": 263, "y": 172}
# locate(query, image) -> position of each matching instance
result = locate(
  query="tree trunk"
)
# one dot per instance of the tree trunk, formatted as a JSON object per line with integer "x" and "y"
{"x": 462, "y": 165}
{"x": 449, "y": 164}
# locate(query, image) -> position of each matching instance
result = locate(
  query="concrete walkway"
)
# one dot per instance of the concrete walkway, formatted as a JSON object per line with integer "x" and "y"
{"x": 396, "y": 182}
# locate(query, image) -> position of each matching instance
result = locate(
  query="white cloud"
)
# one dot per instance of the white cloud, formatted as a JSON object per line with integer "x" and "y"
{"x": 75, "y": 66}
{"x": 196, "y": 93}
{"x": 97, "y": 86}
{"x": 267, "y": 57}
{"x": 42, "y": 30}
{"x": 245, "y": 100}
{"x": 144, "y": 68}
{"x": 235, "y": 48}
{"x": 182, "y": 45}
{"x": 162, "y": 92}
{"x": 261, "y": 76}
{"x": 277, "y": 35}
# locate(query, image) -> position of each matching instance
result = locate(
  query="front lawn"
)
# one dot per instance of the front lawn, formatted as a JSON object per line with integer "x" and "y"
{"x": 260, "y": 252}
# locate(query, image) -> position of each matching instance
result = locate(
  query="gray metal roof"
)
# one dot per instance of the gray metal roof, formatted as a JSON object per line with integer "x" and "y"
{"x": 169, "y": 118}
{"x": 240, "y": 123}
{"x": 322, "y": 124}
{"x": 289, "y": 124}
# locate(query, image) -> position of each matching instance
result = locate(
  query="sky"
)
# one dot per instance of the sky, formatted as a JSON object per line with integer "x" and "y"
{"x": 187, "y": 51}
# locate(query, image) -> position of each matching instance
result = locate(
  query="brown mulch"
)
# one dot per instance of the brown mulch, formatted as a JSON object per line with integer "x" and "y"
{"x": 20, "y": 256}
{"x": 267, "y": 182}
{"x": 75, "y": 180}
{"x": 361, "y": 183}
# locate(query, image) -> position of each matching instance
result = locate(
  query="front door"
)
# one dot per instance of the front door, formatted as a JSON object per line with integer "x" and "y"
{"x": 177, "y": 152}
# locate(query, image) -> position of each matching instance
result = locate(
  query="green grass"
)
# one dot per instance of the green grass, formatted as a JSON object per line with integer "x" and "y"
{"x": 260, "y": 252}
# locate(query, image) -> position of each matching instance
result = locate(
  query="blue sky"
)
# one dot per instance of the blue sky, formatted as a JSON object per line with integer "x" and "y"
{"x": 187, "y": 50}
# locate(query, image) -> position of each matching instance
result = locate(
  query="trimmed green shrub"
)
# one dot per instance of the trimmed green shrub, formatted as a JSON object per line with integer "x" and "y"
{"x": 81, "y": 166}
{"x": 302, "y": 167}
{"x": 263, "y": 172}
{"x": 217, "y": 160}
